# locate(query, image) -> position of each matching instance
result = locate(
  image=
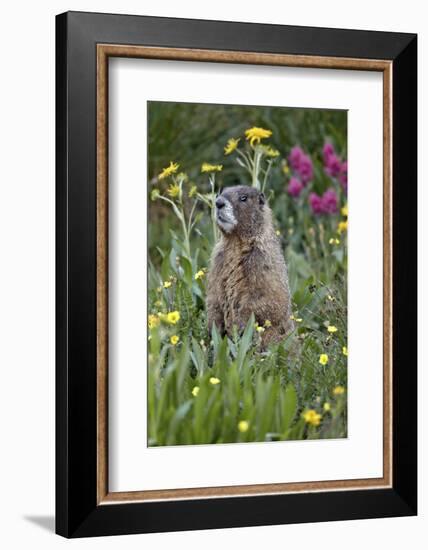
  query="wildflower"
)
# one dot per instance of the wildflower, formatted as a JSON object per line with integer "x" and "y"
{"x": 154, "y": 194}
{"x": 199, "y": 274}
{"x": 243, "y": 426}
{"x": 327, "y": 151}
{"x": 332, "y": 165}
{"x": 297, "y": 319}
{"x": 278, "y": 233}
{"x": 173, "y": 190}
{"x": 312, "y": 417}
{"x": 182, "y": 176}
{"x": 327, "y": 406}
{"x": 345, "y": 351}
{"x": 285, "y": 168}
{"x": 153, "y": 321}
{"x": 167, "y": 284}
{"x": 268, "y": 323}
{"x": 344, "y": 211}
{"x": 271, "y": 152}
{"x": 323, "y": 359}
{"x": 169, "y": 170}
{"x": 173, "y": 317}
{"x": 158, "y": 303}
{"x": 343, "y": 176}
{"x": 295, "y": 157}
{"x": 195, "y": 391}
{"x": 159, "y": 289}
{"x": 214, "y": 381}
{"x": 174, "y": 340}
{"x": 294, "y": 187}
{"x": 315, "y": 202}
{"x": 338, "y": 390}
{"x": 331, "y": 329}
{"x": 306, "y": 169}
{"x": 206, "y": 167}
{"x": 342, "y": 227}
{"x": 330, "y": 298}
{"x": 254, "y": 135}
{"x": 329, "y": 201}
{"x": 327, "y": 204}
{"x": 231, "y": 145}
{"x": 334, "y": 241}
{"x": 259, "y": 329}
{"x": 193, "y": 191}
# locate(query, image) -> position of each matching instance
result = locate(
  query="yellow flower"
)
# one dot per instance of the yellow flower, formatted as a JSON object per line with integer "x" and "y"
{"x": 173, "y": 190}
{"x": 285, "y": 168}
{"x": 174, "y": 340}
{"x": 344, "y": 211}
{"x": 270, "y": 151}
{"x": 345, "y": 351}
{"x": 338, "y": 390}
{"x": 342, "y": 227}
{"x": 331, "y": 328}
{"x": 199, "y": 274}
{"x": 243, "y": 426}
{"x": 154, "y": 194}
{"x": 334, "y": 241}
{"x": 231, "y": 145}
{"x": 159, "y": 289}
{"x": 193, "y": 191}
{"x": 173, "y": 317}
{"x": 254, "y": 135}
{"x": 169, "y": 170}
{"x": 214, "y": 381}
{"x": 153, "y": 321}
{"x": 297, "y": 319}
{"x": 323, "y": 359}
{"x": 158, "y": 303}
{"x": 195, "y": 391}
{"x": 206, "y": 167}
{"x": 268, "y": 323}
{"x": 278, "y": 233}
{"x": 167, "y": 284}
{"x": 259, "y": 329}
{"x": 327, "y": 407}
{"x": 312, "y": 417}
{"x": 330, "y": 298}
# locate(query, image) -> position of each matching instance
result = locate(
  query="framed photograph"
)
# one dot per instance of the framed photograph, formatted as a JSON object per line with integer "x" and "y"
{"x": 236, "y": 274}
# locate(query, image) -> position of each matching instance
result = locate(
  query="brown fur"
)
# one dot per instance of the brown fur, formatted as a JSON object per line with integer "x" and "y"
{"x": 248, "y": 273}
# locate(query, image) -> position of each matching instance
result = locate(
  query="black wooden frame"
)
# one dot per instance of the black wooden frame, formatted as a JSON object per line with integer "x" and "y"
{"x": 77, "y": 512}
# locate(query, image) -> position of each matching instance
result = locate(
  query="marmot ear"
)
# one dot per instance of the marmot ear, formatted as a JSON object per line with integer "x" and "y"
{"x": 262, "y": 199}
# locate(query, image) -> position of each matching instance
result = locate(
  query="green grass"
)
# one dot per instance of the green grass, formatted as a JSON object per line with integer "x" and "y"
{"x": 206, "y": 389}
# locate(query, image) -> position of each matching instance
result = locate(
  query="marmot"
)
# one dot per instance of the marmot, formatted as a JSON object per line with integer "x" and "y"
{"x": 248, "y": 273}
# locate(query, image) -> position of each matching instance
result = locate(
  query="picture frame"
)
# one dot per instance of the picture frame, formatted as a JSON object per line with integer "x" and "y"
{"x": 84, "y": 44}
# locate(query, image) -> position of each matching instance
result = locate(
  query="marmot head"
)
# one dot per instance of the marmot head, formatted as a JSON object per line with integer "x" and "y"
{"x": 240, "y": 211}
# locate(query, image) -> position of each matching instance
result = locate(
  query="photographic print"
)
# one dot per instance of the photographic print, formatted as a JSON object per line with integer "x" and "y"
{"x": 247, "y": 282}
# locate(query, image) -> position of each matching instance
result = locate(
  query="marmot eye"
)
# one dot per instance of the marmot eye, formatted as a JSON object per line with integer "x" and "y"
{"x": 243, "y": 198}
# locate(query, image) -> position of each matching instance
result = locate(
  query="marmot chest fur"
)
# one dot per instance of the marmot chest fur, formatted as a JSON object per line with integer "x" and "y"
{"x": 248, "y": 273}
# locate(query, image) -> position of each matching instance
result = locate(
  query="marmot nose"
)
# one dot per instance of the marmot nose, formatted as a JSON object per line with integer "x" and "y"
{"x": 220, "y": 202}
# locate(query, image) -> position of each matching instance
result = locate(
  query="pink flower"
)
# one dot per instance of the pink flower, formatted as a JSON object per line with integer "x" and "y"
{"x": 343, "y": 175}
{"x": 315, "y": 202}
{"x": 327, "y": 204}
{"x": 295, "y": 187}
{"x": 301, "y": 164}
{"x": 295, "y": 156}
{"x": 305, "y": 169}
{"x": 329, "y": 201}
{"x": 333, "y": 165}
{"x": 327, "y": 150}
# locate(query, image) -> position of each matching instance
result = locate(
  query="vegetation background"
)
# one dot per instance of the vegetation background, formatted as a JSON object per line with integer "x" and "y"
{"x": 205, "y": 389}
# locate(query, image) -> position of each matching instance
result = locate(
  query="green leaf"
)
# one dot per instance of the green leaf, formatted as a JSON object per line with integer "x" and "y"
{"x": 289, "y": 406}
